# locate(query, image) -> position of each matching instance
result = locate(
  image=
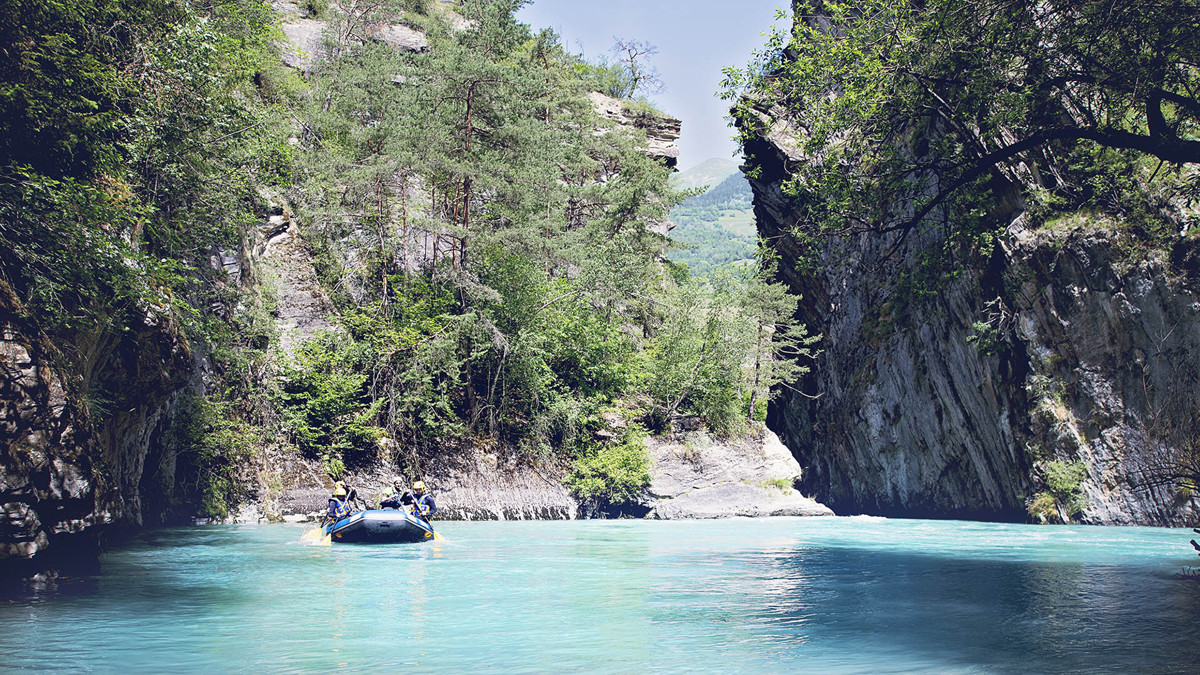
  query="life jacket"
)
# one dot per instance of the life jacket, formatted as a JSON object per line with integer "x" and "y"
{"x": 423, "y": 505}
{"x": 338, "y": 508}
{"x": 392, "y": 499}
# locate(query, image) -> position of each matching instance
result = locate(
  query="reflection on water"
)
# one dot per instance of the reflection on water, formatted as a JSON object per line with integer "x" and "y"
{"x": 818, "y": 595}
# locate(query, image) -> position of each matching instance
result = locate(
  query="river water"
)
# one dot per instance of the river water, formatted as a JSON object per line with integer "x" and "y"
{"x": 821, "y": 595}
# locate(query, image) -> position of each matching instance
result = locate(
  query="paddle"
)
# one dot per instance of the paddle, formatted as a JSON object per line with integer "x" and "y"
{"x": 318, "y": 535}
{"x": 412, "y": 511}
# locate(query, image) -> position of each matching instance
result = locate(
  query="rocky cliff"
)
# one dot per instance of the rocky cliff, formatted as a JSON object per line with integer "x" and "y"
{"x": 692, "y": 476}
{"x": 661, "y": 131}
{"x": 84, "y": 447}
{"x": 695, "y": 476}
{"x": 1072, "y": 345}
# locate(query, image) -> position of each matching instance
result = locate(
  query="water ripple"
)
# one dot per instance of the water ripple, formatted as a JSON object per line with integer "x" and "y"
{"x": 815, "y": 595}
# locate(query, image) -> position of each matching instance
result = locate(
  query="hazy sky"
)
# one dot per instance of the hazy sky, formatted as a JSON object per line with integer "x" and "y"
{"x": 695, "y": 40}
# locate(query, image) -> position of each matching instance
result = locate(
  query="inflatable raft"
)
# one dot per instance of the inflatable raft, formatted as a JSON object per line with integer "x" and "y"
{"x": 380, "y": 526}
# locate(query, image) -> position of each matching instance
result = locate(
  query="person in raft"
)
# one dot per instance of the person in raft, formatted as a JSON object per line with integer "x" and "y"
{"x": 395, "y": 496}
{"x": 342, "y": 502}
{"x": 422, "y": 501}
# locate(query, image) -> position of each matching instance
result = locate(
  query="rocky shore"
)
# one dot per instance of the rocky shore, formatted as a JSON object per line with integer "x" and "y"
{"x": 692, "y": 476}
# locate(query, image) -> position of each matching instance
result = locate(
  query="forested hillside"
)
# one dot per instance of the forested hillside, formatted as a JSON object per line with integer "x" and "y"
{"x": 716, "y": 228}
{"x": 485, "y": 224}
{"x": 495, "y": 261}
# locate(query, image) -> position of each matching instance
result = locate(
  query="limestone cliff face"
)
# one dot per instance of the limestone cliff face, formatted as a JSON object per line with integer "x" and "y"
{"x": 304, "y": 37}
{"x": 46, "y": 477}
{"x": 1068, "y": 344}
{"x": 691, "y": 476}
{"x": 65, "y": 472}
{"x": 86, "y": 442}
{"x": 695, "y": 476}
{"x": 661, "y": 131}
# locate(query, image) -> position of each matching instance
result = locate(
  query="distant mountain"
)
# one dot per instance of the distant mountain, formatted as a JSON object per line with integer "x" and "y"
{"x": 705, "y": 174}
{"x": 717, "y": 227}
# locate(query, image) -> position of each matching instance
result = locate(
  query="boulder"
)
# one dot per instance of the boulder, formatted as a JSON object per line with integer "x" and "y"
{"x": 696, "y": 476}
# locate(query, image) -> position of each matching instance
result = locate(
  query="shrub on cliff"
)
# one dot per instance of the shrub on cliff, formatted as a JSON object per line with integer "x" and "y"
{"x": 1063, "y": 497}
{"x": 612, "y": 473}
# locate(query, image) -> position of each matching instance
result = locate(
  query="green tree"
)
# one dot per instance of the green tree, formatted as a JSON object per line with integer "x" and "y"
{"x": 696, "y": 355}
{"x": 946, "y": 107}
{"x": 779, "y": 347}
{"x": 498, "y": 259}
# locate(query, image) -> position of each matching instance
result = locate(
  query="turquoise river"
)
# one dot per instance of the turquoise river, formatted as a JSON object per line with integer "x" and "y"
{"x": 814, "y": 595}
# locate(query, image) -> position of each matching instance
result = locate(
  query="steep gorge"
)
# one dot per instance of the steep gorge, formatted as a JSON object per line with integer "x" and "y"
{"x": 190, "y": 388}
{"x": 1074, "y": 343}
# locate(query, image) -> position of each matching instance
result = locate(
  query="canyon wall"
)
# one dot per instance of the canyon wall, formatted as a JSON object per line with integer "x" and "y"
{"x": 84, "y": 443}
{"x": 1073, "y": 344}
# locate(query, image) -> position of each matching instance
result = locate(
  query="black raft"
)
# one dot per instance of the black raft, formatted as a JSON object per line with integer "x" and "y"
{"x": 380, "y": 526}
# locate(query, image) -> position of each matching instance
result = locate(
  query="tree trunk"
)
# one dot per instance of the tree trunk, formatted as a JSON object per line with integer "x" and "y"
{"x": 757, "y": 371}
{"x": 404, "y": 225}
{"x": 466, "y": 197}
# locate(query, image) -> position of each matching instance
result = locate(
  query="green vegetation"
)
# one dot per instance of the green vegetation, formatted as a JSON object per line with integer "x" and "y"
{"x": 132, "y": 137}
{"x": 493, "y": 260}
{"x": 781, "y": 484}
{"x": 945, "y": 108}
{"x": 514, "y": 323}
{"x": 717, "y": 227}
{"x": 1063, "y": 495}
{"x": 985, "y": 337}
{"x": 491, "y": 256}
{"x": 953, "y": 117}
{"x": 214, "y": 446}
{"x": 614, "y": 473}
{"x": 723, "y": 343}
{"x": 930, "y": 126}
{"x": 325, "y": 406}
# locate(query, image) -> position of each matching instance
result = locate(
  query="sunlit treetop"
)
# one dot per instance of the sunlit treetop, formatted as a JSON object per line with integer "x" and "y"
{"x": 924, "y": 99}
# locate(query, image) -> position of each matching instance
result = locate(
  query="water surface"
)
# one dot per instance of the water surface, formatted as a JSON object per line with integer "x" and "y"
{"x": 744, "y": 595}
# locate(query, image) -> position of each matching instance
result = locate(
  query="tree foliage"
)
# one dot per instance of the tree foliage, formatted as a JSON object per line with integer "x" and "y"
{"x": 1063, "y": 495}
{"x": 502, "y": 247}
{"x": 132, "y": 137}
{"x": 616, "y": 473}
{"x": 488, "y": 238}
{"x": 725, "y": 342}
{"x": 490, "y": 242}
{"x": 940, "y": 110}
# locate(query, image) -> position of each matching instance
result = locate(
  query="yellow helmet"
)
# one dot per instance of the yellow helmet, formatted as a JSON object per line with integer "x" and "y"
{"x": 339, "y": 489}
{"x": 419, "y": 485}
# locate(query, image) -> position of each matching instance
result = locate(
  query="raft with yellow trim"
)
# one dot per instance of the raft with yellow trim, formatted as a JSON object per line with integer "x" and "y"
{"x": 380, "y": 526}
